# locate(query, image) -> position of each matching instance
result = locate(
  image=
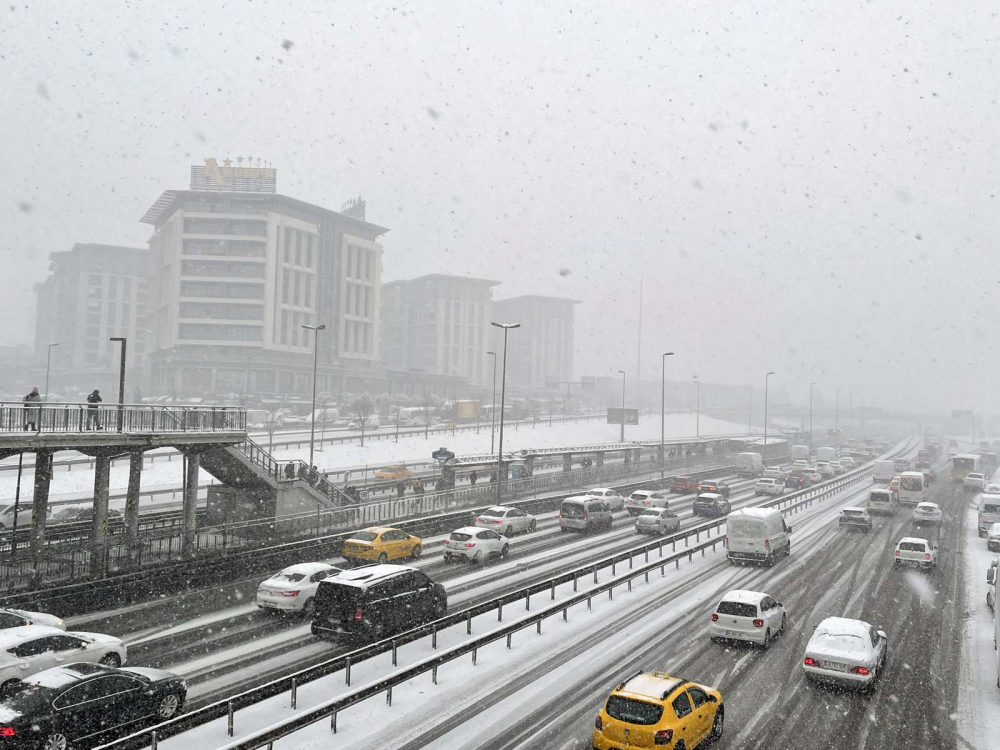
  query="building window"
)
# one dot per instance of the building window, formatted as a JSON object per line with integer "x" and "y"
{"x": 221, "y": 290}
{"x": 209, "y": 310}
{"x": 308, "y": 291}
{"x": 199, "y": 332}
{"x": 298, "y": 248}
{"x": 298, "y": 289}
{"x": 288, "y": 245}
{"x": 349, "y": 255}
{"x": 284, "y": 285}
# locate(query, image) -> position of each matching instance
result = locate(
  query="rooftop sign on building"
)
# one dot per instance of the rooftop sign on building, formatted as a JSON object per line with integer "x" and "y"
{"x": 245, "y": 177}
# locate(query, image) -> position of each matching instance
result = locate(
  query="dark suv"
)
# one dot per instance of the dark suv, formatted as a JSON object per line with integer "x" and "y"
{"x": 376, "y": 600}
{"x": 711, "y": 504}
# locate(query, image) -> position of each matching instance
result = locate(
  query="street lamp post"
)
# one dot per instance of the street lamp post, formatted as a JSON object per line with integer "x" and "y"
{"x": 663, "y": 409}
{"x": 836, "y": 416}
{"x": 811, "y": 416}
{"x": 48, "y": 364}
{"x": 121, "y": 380}
{"x": 493, "y": 408}
{"x": 312, "y": 420}
{"x": 623, "y": 405}
{"x": 766, "y": 377}
{"x": 503, "y": 396}
{"x": 697, "y": 409}
{"x": 750, "y": 412}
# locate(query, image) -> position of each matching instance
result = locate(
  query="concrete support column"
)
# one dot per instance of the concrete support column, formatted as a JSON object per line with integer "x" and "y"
{"x": 600, "y": 459}
{"x": 191, "y": 506}
{"x": 568, "y": 462}
{"x": 40, "y": 504}
{"x": 98, "y": 529}
{"x": 661, "y": 452}
{"x": 132, "y": 502}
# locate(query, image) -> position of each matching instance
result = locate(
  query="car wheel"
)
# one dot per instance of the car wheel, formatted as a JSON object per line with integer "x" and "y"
{"x": 505, "y": 551}
{"x": 680, "y": 745}
{"x": 718, "y": 724}
{"x": 383, "y": 559}
{"x": 532, "y": 526}
{"x": 477, "y": 558}
{"x": 416, "y": 552}
{"x": 784, "y": 620}
{"x": 447, "y": 557}
{"x": 767, "y": 639}
{"x": 56, "y": 741}
{"x": 111, "y": 660}
{"x": 309, "y": 606}
{"x": 507, "y": 532}
{"x": 168, "y": 706}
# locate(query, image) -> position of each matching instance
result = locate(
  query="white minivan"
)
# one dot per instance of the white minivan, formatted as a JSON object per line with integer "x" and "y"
{"x": 912, "y": 488}
{"x": 881, "y": 502}
{"x": 757, "y": 535}
{"x": 749, "y": 465}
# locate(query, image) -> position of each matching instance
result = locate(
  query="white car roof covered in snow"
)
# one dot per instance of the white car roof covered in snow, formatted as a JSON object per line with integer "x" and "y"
{"x": 305, "y": 569}
{"x": 755, "y": 513}
{"x": 744, "y": 596}
{"x": 914, "y": 539}
{"x": 933, "y": 506}
{"x": 841, "y": 636}
{"x": 854, "y": 509}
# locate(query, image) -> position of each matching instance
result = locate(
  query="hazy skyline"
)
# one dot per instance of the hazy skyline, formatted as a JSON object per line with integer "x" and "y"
{"x": 808, "y": 189}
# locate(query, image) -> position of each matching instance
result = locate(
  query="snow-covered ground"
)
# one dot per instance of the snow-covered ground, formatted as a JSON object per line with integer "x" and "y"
{"x": 79, "y": 483}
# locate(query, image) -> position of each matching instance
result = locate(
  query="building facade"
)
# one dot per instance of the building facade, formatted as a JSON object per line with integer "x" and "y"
{"x": 93, "y": 293}
{"x": 438, "y": 324}
{"x": 233, "y": 278}
{"x": 540, "y": 352}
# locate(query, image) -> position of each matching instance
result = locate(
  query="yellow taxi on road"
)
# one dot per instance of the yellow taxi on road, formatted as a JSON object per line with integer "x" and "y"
{"x": 381, "y": 544}
{"x": 655, "y": 710}
{"x": 393, "y": 472}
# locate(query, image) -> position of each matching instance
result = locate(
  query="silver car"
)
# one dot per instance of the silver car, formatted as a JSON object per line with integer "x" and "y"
{"x": 506, "y": 521}
{"x": 643, "y": 500}
{"x": 657, "y": 521}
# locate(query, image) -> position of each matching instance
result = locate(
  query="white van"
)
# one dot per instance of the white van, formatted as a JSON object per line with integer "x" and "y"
{"x": 989, "y": 512}
{"x": 883, "y": 471}
{"x": 826, "y": 453}
{"x": 901, "y": 465}
{"x": 882, "y": 502}
{"x": 912, "y": 489}
{"x": 800, "y": 452}
{"x": 757, "y": 535}
{"x": 749, "y": 465}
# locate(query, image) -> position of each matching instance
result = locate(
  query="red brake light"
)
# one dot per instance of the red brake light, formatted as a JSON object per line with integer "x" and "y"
{"x": 758, "y": 623}
{"x": 470, "y": 544}
{"x": 810, "y": 662}
{"x": 663, "y": 737}
{"x": 357, "y": 615}
{"x": 584, "y": 516}
{"x": 6, "y": 731}
{"x": 927, "y": 555}
{"x": 289, "y": 593}
{"x": 767, "y": 542}
{"x": 897, "y": 553}
{"x": 598, "y": 724}
{"x": 645, "y": 502}
{"x": 715, "y": 617}
{"x": 863, "y": 671}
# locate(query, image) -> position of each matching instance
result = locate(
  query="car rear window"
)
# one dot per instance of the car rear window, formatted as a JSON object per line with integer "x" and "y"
{"x": 364, "y": 536}
{"x": 991, "y": 508}
{"x": 853, "y": 513}
{"x": 911, "y": 484}
{"x": 911, "y": 546}
{"x": 633, "y": 711}
{"x": 458, "y": 536}
{"x": 737, "y": 609}
{"x": 292, "y": 577}
{"x": 492, "y": 512}
{"x": 572, "y": 510}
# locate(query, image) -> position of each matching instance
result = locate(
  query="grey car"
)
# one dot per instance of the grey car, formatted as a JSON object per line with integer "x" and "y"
{"x": 584, "y": 513}
{"x": 657, "y": 521}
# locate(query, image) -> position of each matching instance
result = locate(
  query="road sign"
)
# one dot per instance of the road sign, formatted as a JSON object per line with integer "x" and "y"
{"x": 615, "y": 416}
{"x": 442, "y": 454}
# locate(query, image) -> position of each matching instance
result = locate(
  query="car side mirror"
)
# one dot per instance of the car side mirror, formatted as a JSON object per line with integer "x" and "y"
{"x": 882, "y": 635}
{"x": 990, "y": 576}
{"x": 789, "y": 529}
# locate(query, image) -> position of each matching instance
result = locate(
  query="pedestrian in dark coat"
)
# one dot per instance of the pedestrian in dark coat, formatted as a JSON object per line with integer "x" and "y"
{"x": 31, "y": 412}
{"x": 93, "y": 411}
{"x": 472, "y": 478}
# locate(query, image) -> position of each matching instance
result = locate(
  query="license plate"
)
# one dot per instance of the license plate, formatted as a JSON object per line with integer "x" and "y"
{"x": 267, "y": 604}
{"x": 734, "y": 633}
{"x": 836, "y": 666}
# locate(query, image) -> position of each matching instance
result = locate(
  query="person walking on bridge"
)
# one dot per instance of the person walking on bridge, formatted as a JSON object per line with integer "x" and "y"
{"x": 93, "y": 410}
{"x": 31, "y": 412}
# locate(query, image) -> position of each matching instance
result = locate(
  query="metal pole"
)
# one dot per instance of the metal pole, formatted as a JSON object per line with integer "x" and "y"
{"x": 503, "y": 398}
{"x": 48, "y": 364}
{"x": 638, "y": 357}
{"x": 750, "y": 413}
{"x": 312, "y": 419}
{"x": 17, "y": 502}
{"x": 836, "y": 416}
{"x": 697, "y": 411}
{"x": 766, "y": 378}
{"x": 663, "y": 409}
{"x": 623, "y": 406}
{"x": 121, "y": 381}
{"x": 398, "y": 408}
{"x": 811, "y": 416}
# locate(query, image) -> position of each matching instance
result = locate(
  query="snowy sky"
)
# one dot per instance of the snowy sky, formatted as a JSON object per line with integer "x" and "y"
{"x": 802, "y": 187}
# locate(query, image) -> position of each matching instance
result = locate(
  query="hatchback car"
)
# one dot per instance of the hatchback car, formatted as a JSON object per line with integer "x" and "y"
{"x": 612, "y": 497}
{"x": 585, "y": 513}
{"x": 813, "y": 475}
{"x": 657, "y": 521}
{"x": 927, "y": 514}
{"x": 380, "y": 544}
{"x": 846, "y": 652}
{"x": 294, "y": 588}
{"x": 654, "y": 709}
{"x": 747, "y": 616}
{"x": 712, "y": 505}
{"x": 712, "y": 485}
{"x": 476, "y": 544}
{"x": 855, "y": 518}
{"x": 914, "y": 552}
{"x": 27, "y": 650}
{"x": 15, "y": 618}
{"x": 642, "y": 500}
{"x": 506, "y": 521}
{"x": 76, "y": 703}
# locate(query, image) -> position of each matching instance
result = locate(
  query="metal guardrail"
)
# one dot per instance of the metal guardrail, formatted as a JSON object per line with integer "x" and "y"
{"x": 795, "y": 502}
{"x": 48, "y": 418}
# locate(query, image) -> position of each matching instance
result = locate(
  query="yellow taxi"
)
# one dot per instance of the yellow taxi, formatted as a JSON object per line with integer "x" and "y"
{"x": 653, "y": 709}
{"x": 381, "y": 544}
{"x": 393, "y": 472}
{"x": 894, "y": 484}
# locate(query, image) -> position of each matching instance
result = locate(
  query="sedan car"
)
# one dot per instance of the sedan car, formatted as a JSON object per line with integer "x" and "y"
{"x": 855, "y": 518}
{"x": 993, "y": 488}
{"x": 683, "y": 484}
{"x": 80, "y": 513}
{"x": 608, "y": 495}
{"x": 846, "y": 652}
{"x": 711, "y": 504}
{"x": 642, "y": 500}
{"x": 66, "y": 706}
{"x": 713, "y": 485}
{"x": 34, "y": 648}
{"x": 393, "y": 472}
{"x": 767, "y": 486}
{"x": 915, "y": 552}
{"x": 15, "y": 618}
{"x": 476, "y": 544}
{"x": 294, "y": 588}
{"x": 927, "y": 513}
{"x": 747, "y": 616}
{"x": 506, "y": 521}
{"x": 657, "y": 521}
{"x": 381, "y": 544}
{"x": 929, "y": 475}
{"x": 797, "y": 480}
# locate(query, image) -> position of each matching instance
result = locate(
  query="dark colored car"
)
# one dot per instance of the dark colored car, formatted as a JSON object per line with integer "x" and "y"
{"x": 796, "y": 480}
{"x": 712, "y": 505}
{"x": 59, "y": 708}
{"x": 922, "y": 463}
{"x": 711, "y": 485}
{"x": 70, "y": 515}
{"x": 376, "y": 600}
{"x": 929, "y": 475}
{"x": 683, "y": 484}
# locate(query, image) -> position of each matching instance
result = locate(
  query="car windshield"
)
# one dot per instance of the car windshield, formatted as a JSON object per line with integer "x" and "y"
{"x": 737, "y": 609}
{"x": 290, "y": 577}
{"x": 632, "y": 711}
{"x": 364, "y": 536}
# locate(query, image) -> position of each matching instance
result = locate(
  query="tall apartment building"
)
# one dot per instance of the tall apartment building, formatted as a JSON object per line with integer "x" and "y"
{"x": 234, "y": 277}
{"x": 438, "y": 324}
{"x": 540, "y": 352}
{"x": 93, "y": 292}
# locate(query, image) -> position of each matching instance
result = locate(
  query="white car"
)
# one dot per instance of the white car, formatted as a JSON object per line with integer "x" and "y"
{"x": 915, "y": 552}
{"x": 847, "y": 462}
{"x": 993, "y": 537}
{"x": 476, "y": 544}
{"x": 825, "y": 469}
{"x": 15, "y": 618}
{"x": 974, "y": 482}
{"x": 33, "y": 648}
{"x": 506, "y": 521}
{"x": 846, "y": 652}
{"x": 747, "y": 616}
{"x": 992, "y": 489}
{"x": 642, "y": 500}
{"x": 838, "y": 468}
{"x": 657, "y": 521}
{"x": 800, "y": 463}
{"x": 608, "y": 495}
{"x": 768, "y": 486}
{"x": 927, "y": 513}
{"x": 813, "y": 475}
{"x": 294, "y": 588}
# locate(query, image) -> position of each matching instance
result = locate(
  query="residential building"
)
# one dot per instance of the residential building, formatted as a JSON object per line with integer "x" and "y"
{"x": 540, "y": 352}
{"x": 234, "y": 277}
{"x": 438, "y": 324}
{"x": 93, "y": 293}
